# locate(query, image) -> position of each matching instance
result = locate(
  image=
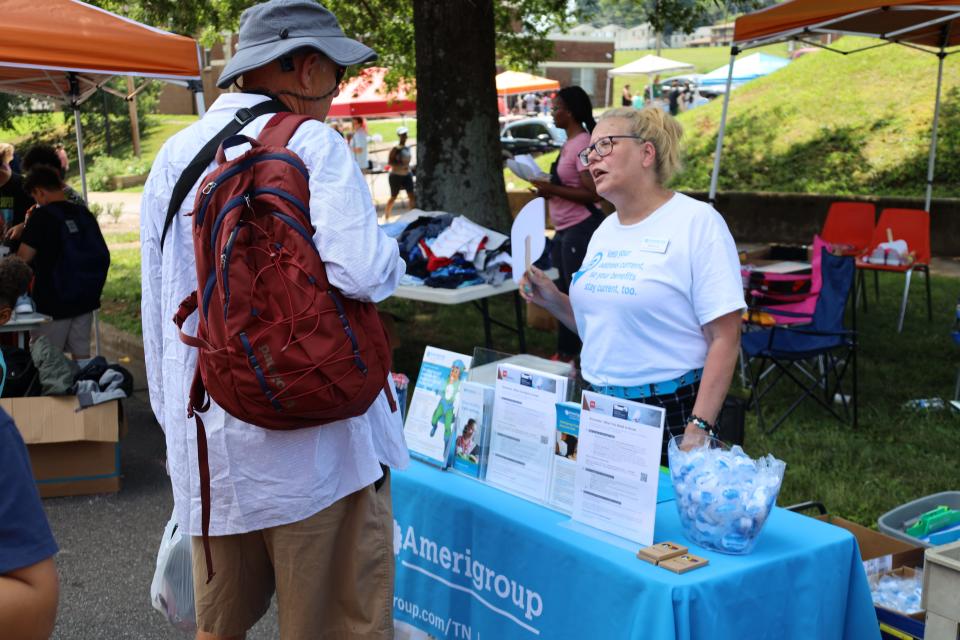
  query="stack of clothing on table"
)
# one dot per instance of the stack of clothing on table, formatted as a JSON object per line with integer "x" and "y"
{"x": 449, "y": 252}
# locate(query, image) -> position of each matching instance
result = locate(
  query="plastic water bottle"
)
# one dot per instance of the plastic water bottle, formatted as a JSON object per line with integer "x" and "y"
{"x": 924, "y": 404}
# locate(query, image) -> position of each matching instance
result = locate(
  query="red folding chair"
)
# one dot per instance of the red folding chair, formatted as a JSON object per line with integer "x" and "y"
{"x": 913, "y": 226}
{"x": 849, "y": 227}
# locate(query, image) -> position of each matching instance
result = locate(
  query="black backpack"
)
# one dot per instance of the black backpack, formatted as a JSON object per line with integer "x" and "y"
{"x": 23, "y": 378}
{"x": 81, "y": 270}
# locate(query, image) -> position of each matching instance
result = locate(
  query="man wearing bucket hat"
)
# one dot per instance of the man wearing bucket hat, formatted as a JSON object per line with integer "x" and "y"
{"x": 303, "y": 513}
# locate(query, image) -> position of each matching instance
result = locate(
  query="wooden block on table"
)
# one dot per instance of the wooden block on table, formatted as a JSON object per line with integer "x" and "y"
{"x": 661, "y": 551}
{"x": 684, "y": 563}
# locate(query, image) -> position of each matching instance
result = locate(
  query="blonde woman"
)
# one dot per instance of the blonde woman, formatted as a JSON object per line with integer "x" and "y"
{"x": 657, "y": 300}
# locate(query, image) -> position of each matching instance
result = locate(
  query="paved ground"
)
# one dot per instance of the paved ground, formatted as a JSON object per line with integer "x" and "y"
{"x": 108, "y": 546}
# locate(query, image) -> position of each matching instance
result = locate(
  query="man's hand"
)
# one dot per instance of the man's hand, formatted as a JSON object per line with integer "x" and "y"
{"x": 14, "y": 232}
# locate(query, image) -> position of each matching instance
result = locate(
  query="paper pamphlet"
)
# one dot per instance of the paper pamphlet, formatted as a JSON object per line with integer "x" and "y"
{"x": 429, "y": 428}
{"x": 618, "y": 466}
{"x": 563, "y": 477}
{"x": 473, "y": 429}
{"x": 523, "y": 436}
{"x": 525, "y": 167}
{"x": 527, "y": 236}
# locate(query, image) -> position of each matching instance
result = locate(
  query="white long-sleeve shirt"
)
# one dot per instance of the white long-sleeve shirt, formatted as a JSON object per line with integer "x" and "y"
{"x": 261, "y": 478}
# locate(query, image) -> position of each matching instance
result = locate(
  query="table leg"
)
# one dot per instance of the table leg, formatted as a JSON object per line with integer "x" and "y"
{"x": 487, "y": 330}
{"x": 20, "y": 339}
{"x": 517, "y": 307}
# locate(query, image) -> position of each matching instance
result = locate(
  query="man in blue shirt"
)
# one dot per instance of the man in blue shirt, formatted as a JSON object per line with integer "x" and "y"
{"x": 29, "y": 587}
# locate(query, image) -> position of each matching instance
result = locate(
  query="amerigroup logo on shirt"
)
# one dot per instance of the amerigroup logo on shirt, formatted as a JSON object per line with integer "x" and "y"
{"x": 611, "y": 273}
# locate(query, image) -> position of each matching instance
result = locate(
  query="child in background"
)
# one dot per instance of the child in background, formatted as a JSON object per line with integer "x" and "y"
{"x": 29, "y": 586}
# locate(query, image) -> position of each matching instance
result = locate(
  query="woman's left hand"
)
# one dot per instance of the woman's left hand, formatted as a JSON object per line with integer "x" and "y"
{"x": 544, "y": 187}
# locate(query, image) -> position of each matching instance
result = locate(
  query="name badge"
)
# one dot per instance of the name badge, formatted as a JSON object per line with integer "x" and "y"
{"x": 654, "y": 245}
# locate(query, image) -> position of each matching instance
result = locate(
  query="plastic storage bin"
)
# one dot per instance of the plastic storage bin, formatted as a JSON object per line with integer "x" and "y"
{"x": 892, "y": 522}
{"x": 941, "y": 589}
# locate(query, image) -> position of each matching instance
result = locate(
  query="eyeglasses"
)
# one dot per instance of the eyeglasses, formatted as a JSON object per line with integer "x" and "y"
{"x": 603, "y": 147}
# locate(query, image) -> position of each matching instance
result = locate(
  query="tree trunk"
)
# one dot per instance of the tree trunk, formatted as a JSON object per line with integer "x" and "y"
{"x": 459, "y": 162}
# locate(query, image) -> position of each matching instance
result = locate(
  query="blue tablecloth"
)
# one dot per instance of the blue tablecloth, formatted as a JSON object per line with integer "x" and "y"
{"x": 475, "y": 562}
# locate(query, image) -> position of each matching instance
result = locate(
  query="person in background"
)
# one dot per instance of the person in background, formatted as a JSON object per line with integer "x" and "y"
{"x": 29, "y": 586}
{"x": 530, "y": 103}
{"x": 62, "y": 156}
{"x": 675, "y": 95}
{"x": 659, "y": 296}
{"x": 400, "y": 176}
{"x": 572, "y": 199}
{"x": 626, "y": 100}
{"x": 63, "y": 238}
{"x": 14, "y": 200}
{"x": 546, "y": 103}
{"x": 358, "y": 143}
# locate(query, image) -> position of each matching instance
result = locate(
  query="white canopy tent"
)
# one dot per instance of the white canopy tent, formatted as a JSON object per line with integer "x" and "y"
{"x": 925, "y": 25}
{"x": 649, "y": 66}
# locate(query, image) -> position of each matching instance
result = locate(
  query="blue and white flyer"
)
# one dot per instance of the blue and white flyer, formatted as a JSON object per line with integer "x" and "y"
{"x": 473, "y": 429}
{"x": 523, "y": 435}
{"x": 429, "y": 428}
{"x": 618, "y": 466}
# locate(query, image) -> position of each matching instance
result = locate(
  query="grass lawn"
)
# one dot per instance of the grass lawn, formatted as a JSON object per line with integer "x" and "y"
{"x": 894, "y": 456}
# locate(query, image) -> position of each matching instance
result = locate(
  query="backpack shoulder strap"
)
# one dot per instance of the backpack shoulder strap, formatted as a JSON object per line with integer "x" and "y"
{"x": 280, "y": 129}
{"x": 205, "y": 156}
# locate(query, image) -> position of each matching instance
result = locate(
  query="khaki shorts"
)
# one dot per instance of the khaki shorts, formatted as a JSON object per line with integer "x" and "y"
{"x": 70, "y": 335}
{"x": 333, "y": 573}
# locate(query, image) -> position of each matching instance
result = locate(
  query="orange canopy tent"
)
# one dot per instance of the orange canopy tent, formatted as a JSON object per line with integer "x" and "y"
{"x": 367, "y": 95}
{"x": 927, "y": 25}
{"x": 513, "y": 82}
{"x": 67, "y": 50}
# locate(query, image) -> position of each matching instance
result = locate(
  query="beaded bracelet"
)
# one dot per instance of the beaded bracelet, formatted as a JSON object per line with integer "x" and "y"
{"x": 701, "y": 423}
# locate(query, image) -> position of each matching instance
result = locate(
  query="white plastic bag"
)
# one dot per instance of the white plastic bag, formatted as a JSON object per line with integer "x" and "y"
{"x": 171, "y": 591}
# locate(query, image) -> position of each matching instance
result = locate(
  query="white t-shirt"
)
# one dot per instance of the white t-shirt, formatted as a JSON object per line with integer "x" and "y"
{"x": 358, "y": 144}
{"x": 645, "y": 290}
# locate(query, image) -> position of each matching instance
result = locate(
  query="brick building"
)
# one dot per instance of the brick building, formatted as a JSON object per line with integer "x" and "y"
{"x": 581, "y": 60}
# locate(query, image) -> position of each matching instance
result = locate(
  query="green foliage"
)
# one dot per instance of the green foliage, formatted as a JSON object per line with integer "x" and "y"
{"x": 857, "y": 124}
{"x": 120, "y": 302}
{"x": 670, "y": 15}
{"x": 100, "y": 175}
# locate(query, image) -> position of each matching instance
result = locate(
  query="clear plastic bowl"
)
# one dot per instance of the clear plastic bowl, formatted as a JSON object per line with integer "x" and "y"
{"x": 724, "y": 505}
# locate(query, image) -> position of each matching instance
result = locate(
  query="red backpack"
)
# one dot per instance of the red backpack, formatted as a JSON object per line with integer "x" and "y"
{"x": 279, "y": 346}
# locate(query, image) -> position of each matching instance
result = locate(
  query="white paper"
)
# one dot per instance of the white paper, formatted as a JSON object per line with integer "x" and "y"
{"x": 618, "y": 466}
{"x": 530, "y": 223}
{"x": 522, "y": 438}
{"x": 429, "y": 427}
{"x": 526, "y": 168}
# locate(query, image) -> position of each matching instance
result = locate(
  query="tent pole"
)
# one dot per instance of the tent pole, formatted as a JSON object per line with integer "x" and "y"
{"x": 932, "y": 161}
{"x": 723, "y": 125}
{"x": 75, "y": 103}
{"x": 197, "y": 88}
{"x": 609, "y": 82}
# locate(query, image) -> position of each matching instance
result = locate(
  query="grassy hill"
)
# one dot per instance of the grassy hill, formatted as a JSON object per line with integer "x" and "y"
{"x": 829, "y": 123}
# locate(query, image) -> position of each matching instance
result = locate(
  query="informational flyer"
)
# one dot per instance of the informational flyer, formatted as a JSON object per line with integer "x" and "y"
{"x": 523, "y": 435}
{"x": 618, "y": 466}
{"x": 429, "y": 427}
{"x": 473, "y": 429}
{"x": 563, "y": 477}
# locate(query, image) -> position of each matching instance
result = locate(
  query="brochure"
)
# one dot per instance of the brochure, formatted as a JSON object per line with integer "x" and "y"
{"x": 473, "y": 429}
{"x": 563, "y": 478}
{"x": 429, "y": 427}
{"x": 523, "y": 436}
{"x": 618, "y": 466}
{"x": 525, "y": 167}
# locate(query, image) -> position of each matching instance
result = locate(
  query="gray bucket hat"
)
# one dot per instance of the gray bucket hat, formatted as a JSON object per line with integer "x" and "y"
{"x": 272, "y": 29}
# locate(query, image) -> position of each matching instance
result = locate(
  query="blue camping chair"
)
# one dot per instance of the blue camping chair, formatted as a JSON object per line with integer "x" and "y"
{"x": 824, "y": 341}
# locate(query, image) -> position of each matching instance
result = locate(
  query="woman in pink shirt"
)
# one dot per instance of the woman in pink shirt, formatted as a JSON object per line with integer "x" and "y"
{"x": 572, "y": 197}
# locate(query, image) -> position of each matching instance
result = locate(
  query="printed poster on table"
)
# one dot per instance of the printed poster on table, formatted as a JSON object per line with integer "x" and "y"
{"x": 618, "y": 466}
{"x": 429, "y": 428}
{"x": 523, "y": 436}
{"x": 473, "y": 429}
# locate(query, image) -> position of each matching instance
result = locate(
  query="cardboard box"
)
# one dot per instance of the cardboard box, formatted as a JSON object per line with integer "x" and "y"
{"x": 900, "y": 572}
{"x": 72, "y": 451}
{"x": 878, "y": 551}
